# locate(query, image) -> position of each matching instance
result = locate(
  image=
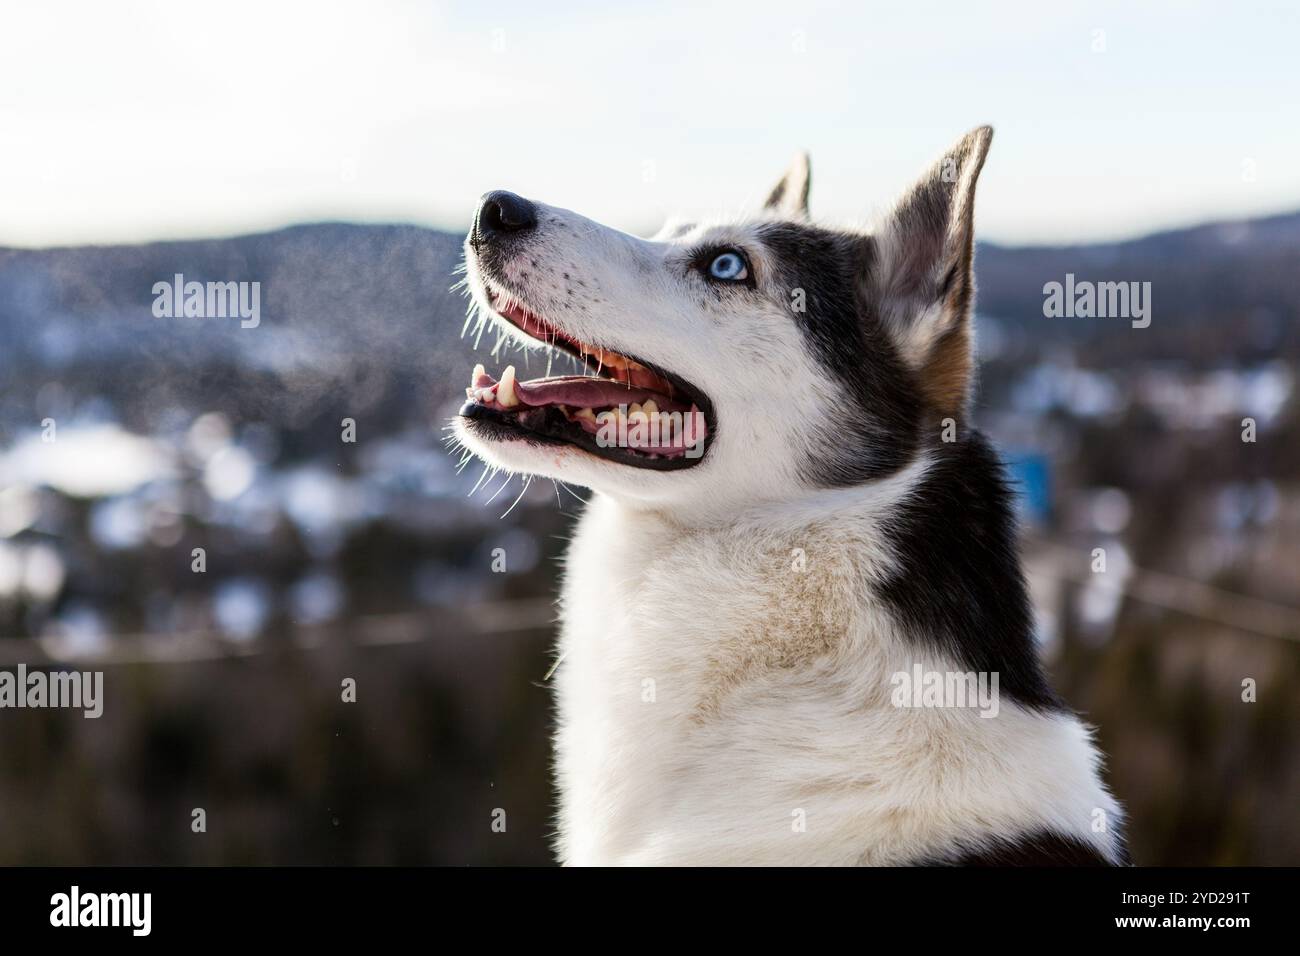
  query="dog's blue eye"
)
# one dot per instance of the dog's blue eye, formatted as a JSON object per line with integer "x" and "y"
{"x": 729, "y": 267}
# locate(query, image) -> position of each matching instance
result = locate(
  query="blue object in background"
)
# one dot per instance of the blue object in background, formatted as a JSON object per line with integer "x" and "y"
{"x": 1031, "y": 478}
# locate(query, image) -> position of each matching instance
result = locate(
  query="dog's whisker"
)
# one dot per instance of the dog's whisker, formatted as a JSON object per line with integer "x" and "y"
{"x": 527, "y": 481}
{"x": 486, "y": 468}
{"x": 509, "y": 476}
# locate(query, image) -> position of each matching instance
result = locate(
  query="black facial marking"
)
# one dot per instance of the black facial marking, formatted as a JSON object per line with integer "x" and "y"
{"x": 958, "y": 588}
{"x": 873, "y": 431}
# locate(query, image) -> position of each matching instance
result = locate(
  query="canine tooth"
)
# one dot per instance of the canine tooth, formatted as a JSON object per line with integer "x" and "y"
{"x": 478, "y": 370}
{"x": 586, "y": 413}
{"x": 506, "y": 388}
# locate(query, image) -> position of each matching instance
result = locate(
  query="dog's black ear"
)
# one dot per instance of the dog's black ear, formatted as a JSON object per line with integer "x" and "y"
{"x": 789, "y": 197}
{"x": 921, "y": 277}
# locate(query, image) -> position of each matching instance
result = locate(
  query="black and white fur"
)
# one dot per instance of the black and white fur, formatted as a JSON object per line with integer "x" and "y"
{"x": 730, "y": 629}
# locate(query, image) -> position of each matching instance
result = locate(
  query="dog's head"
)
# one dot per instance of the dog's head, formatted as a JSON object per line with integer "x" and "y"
{"x": 744, "y": 361}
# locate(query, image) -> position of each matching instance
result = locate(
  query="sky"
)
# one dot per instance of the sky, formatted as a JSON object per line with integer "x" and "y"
{"x": 130, "y": 121}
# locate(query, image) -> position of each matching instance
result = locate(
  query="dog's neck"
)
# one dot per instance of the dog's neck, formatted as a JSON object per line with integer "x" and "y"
{"x": 777, "y": 513}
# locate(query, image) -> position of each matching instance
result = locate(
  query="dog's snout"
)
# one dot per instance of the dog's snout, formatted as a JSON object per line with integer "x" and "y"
{"x": 503, "y": 212}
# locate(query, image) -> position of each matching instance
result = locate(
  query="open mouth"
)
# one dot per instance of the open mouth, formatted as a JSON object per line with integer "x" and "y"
{"x": 625, "y": 410}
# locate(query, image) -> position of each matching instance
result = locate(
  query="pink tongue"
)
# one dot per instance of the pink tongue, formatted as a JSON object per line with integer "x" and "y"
{"x": 581, "y": 391}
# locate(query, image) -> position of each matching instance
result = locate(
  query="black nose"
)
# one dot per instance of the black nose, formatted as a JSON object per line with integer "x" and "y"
{"x": 502, "y": 212}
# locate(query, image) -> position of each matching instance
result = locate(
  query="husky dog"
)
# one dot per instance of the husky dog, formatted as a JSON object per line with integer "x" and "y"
{"x": 815, "y": 525}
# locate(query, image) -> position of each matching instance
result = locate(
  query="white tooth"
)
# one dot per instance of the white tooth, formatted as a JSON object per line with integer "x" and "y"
{"x": 650, "y": 408}
{"x": 478, "y": 370}
{"x": 634, "y": 408}
{"x": 586, "y": 413}
{"x": 506, "y": 388}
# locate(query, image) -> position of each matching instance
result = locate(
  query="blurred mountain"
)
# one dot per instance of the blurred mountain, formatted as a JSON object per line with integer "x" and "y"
{"x": 360, "y": 319}
{"x": 323, "y": 285}
{"x": 1219, "y": 291}
{"x": 353, "y": 319}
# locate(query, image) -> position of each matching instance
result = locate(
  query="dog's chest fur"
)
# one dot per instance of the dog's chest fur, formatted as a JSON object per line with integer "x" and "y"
{"x": 724, "y": 697}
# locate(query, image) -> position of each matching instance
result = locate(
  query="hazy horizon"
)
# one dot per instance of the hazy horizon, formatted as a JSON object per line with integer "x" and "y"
{"x": 460, "y": 229}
